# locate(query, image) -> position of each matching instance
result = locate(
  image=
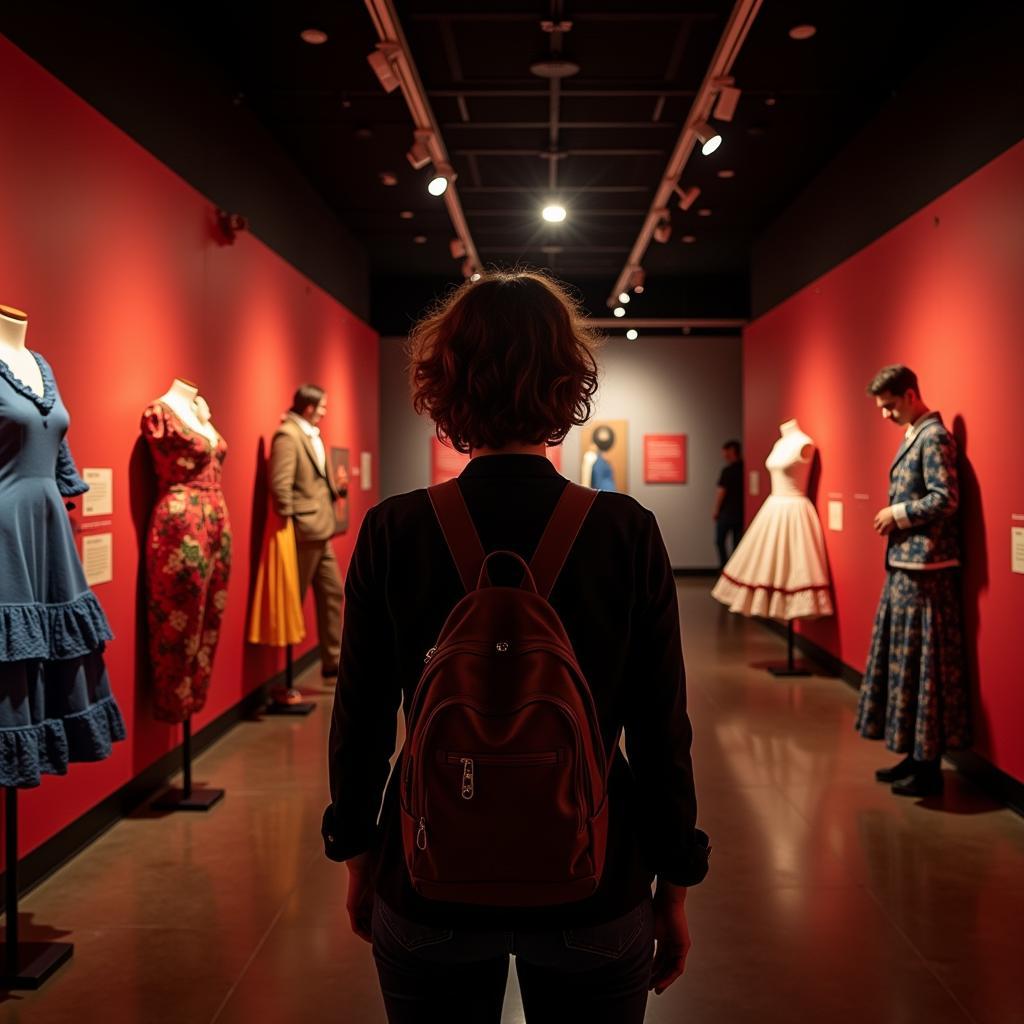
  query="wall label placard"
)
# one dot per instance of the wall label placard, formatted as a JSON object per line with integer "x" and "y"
{"x": 99, "y": 499}
{"x": 365, "y": 471}
{"x": 754, "y": 488}
{"x": 98, "y": 558}
{"x": 835, "y": 516}
{"x": 1017, "y": 549}
{"x": 664, "y": 458}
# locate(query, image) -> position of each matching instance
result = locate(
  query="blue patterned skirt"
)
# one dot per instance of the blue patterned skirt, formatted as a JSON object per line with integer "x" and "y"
{"x": 914, "y": 693}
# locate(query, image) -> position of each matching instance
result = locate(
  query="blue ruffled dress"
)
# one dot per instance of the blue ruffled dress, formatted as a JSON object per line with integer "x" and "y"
{"x": 55, "y": 699}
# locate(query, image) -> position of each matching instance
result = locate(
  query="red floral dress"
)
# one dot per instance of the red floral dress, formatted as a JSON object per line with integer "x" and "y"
{"x": 188, "y": 558}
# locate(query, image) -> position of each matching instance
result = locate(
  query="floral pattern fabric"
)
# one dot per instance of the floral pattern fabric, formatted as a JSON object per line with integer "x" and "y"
{"x": 914, "y": 693}
{"x": 188, "y": 561}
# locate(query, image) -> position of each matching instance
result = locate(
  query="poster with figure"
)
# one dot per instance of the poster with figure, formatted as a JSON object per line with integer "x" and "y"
{"x": 340, "y": 457}
{"x": 604, "y": 458}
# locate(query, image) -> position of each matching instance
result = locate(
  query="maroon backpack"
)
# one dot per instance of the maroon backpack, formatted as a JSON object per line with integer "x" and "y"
{"x": 504, "y": 770}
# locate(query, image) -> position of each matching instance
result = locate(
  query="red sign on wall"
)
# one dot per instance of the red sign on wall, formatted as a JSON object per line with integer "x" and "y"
{"x": 664, "y": 458}
{"x": 445, "y": 462}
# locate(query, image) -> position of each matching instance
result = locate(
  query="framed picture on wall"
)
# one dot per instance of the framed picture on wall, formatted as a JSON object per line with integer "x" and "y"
{"x": 604, "y": 458}
{"x": 340, "y": 457}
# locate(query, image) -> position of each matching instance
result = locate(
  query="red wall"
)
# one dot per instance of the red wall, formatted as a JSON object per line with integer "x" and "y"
{"x": 943, "y": 293}
{"x": 114, "y": 259}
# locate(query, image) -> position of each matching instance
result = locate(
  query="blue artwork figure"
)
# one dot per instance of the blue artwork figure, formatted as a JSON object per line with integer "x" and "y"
{"x": 602, "y": 476}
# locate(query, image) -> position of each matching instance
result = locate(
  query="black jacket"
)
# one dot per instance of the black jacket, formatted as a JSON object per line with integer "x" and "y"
{"x": 616, "y": 597}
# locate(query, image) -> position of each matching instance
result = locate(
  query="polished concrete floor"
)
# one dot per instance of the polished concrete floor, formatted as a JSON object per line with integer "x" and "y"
{"x": 829, "y": 899}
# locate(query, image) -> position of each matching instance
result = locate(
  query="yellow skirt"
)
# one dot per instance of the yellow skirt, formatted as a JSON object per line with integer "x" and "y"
{"x": 276, "y": 615}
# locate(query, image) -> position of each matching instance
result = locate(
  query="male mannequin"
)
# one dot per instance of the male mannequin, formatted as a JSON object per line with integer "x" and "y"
{"x": 914, "y": 692}
{"x": 303, "y": 489}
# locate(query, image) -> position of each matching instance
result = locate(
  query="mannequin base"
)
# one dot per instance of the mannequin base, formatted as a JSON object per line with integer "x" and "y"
{"x": 288, "y": 702}
{"x": 174, "y": 799}
{"x": 784, "y": 670}
{"x": 36, "y": 962}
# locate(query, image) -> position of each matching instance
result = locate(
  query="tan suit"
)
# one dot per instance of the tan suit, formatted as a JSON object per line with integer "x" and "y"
{"x": 306, "y": 494}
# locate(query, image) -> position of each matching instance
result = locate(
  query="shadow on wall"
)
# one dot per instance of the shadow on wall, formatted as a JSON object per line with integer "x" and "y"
{"x": 974, "y": 556}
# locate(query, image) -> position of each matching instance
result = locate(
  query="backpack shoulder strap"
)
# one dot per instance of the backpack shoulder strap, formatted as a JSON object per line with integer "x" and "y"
{"x": 459, "y": 531}
{"x": 559, "y": 536}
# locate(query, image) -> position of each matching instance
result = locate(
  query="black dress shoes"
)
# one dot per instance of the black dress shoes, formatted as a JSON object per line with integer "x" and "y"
{"x": 903, "y": 770}
{"x": 926, "y": 783}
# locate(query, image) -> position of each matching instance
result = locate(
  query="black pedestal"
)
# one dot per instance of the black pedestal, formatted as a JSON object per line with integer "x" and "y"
{"x": 281, "y": 708}
{"x": 194, "y": 799}
{"x": 35, "y": 962}
{"x": 790, "y": 668}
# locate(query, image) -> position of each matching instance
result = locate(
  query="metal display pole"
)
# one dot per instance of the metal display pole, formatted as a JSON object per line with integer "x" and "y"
{"x": 24, "y": 965}
{"x": 188, "y": 797}
{"x": 792, "y": 667}
{"x": 287, "y": 700}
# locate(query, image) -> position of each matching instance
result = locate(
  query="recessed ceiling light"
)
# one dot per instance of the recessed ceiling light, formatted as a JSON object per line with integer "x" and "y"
{"x": 407, "y": 215}
{"x": 689, "y": 239}
{"x": 770, "y": 101}
{"x": 624, "y": 297}
{"x": 388, "y": 179}
{"x": 475, "y": 276}
{"x": 554, "y": 68}
{"x": 553, "y": 213}
{"x": 802, "y": 31}
{"x": 419, "y": 239}
{"x": 363, "y": 132}
{"x": 639, "y": 289}
{"x": 619, "y": 311}
{"x": 632, "y": 334}
{"x": 703, "y": 212}
{"x": 725, "y": 172}
{"x": 313, "y": 36}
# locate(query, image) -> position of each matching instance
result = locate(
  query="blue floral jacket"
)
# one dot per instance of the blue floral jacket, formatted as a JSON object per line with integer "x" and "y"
{"x": 925, "y": 494}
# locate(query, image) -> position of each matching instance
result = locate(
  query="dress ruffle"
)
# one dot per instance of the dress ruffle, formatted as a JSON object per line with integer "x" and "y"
{"x": 48, "y": 747}
{"x": 53, "y": 632}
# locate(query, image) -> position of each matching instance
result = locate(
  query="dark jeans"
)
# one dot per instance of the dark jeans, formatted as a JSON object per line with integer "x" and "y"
{"x": 723, "y": 528}
{"x": 598, "y": 974}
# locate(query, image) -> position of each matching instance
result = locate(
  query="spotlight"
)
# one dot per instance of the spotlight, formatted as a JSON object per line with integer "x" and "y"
{"x": 663, "y": 232}
{"x": 388, "y": 179}
{"x": 728, "y": 98}
{"x": 380, "y": 61}
{"x": 313, "y": 36}
{"x": 619, "y": 311}
{"x": 443, "y": 177}
{"x": 419, "y": 155}
{"x": 710, "y": 139}
{"x": 636, "y": 280}
{"x": 475, "y": 276}
{"x": 624, "y": 297}
{"x": 632, "y": 334}
{"x": 687, "y": 196}
{"x": 553, "y": 213}
{"x": 457, "y": 247}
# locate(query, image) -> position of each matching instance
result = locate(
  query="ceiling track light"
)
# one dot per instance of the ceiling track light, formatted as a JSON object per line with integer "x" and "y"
{"x": 382, "y": 62}
{"x": 663, "y": 232}
{"x": 444, "y": 175}
{"x": 687, "y": 196}
{"x": 637, "y": 278}
{"x": 624, "y": 297}
{"x": 419, "y": 153}
{"x": 457, "y": 247}
{"x": 728, "y": 98}
{"x": 710, "y": 139}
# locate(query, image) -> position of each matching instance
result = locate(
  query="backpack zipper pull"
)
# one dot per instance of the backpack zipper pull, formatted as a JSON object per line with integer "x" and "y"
{"x": 421, "y": 835}
{"x": 467, "y": 778}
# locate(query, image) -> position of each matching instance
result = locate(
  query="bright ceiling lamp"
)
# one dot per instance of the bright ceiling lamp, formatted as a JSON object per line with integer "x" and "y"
{"x": 632, "y": 334}
{"x": 624, "y": 297}
{"x": 710, "y": 139}
{"x": 475, "y": 276}
{"x": 443, "y": 177}
{"x": 619, "y": 311}
{"x": 553, "y": 213}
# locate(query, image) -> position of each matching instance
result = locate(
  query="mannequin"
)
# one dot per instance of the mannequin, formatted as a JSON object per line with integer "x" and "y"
{"x": 14, "y": 352}
{"x": 182, "y": 398}
{"x": 780, "y": 568}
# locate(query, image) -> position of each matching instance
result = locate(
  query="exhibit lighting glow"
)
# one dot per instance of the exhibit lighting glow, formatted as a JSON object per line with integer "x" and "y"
{"x": 313, "y": 36}
{"x": 619, "y": 311}
{"x": 623, "y": 297}
{"x": 553, "y": 213}
{"x": 632, "y": 334}
{"x": 710, "y": 139}
{"x": 438, "y": 185}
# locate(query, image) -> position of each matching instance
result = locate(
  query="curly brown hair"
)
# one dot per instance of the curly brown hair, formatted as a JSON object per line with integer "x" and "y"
{"x": 503, "y": 360}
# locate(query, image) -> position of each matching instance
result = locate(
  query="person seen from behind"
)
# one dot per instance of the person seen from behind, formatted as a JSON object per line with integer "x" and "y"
{"x": 505, "y": 367}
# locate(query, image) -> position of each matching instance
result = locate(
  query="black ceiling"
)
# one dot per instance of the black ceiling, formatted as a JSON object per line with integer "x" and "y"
{"x": 640, "y": 62}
